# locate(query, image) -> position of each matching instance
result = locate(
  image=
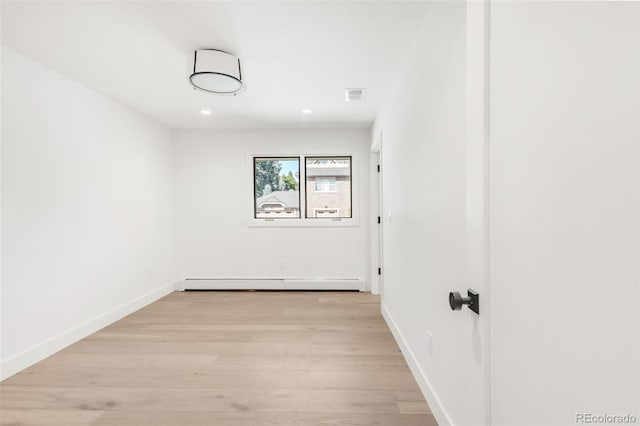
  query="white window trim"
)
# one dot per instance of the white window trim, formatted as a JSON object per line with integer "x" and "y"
{"x": 304, "y": 222}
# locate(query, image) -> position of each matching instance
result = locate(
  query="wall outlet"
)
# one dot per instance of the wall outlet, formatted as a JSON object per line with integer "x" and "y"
{"x": 429, "y": 340}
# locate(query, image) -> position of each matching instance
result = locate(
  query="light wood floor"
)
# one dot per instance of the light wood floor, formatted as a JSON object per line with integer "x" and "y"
{"x": 227, "y": 358}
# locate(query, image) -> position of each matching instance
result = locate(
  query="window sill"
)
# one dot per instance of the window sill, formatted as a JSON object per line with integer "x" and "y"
{"x": 304, "y": 223}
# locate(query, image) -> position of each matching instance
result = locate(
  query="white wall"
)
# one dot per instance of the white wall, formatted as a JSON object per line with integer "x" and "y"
{"x": 213, "y": 187}
{"x": 564, "y": 210}
{"x": 423, "y": 125}
{"x": 563, "y": 201}
{"x": 86, "y": 211}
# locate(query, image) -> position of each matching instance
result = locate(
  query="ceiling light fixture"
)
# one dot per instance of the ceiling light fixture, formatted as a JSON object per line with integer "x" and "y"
{"x": 216, "y": 71}
{"x": 306, "y": 111}
{"x": 205, "y": 112}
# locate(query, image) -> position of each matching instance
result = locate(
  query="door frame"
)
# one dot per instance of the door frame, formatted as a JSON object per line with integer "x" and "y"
{"x": 377, "y": 245}
{"x": 477, "y": 190}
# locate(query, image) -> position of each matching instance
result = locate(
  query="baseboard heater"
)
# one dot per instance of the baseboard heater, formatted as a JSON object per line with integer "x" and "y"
{"x": 272, "y": 284}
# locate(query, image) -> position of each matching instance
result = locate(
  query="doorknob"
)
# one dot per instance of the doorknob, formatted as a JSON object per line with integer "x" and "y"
{"x": 472, "y": 301}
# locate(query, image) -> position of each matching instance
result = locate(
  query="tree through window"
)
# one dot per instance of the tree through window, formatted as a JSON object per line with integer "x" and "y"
{"x": 276, "y": 187}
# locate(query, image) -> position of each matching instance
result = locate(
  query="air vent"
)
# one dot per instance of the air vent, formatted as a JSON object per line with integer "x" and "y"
{"x": 353, "y": 94}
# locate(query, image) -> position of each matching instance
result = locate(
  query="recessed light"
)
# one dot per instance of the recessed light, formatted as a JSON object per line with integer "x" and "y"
{"x": 306, "y": 111}
{"x": 205, "y": 112}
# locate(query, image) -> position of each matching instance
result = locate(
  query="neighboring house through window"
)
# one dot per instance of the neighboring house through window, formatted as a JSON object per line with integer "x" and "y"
{"x": 328, "y": 187}
{"x": 278, "y": 204}
{"x": 326, "y": 184}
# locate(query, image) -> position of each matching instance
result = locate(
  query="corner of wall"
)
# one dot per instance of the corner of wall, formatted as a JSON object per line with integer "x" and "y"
{"x": 434, "y": 401}
{"x": 27, "y": 358}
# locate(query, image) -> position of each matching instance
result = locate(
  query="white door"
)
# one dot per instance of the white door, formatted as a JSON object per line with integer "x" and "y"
{"x": 380, "y": 222}
{"x": 476, "y": 327}
{"x": 564, "y": 191}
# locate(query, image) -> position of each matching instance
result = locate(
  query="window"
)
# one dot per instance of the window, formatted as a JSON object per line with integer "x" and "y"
{"x": 326, "y": 184}
{"x": 276, "y": 183}
{"x": 299, "y": 191}
{"x": 328, "y": 187}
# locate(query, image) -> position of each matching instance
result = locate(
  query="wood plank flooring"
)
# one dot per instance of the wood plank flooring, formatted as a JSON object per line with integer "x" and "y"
{"x": 227, "y": 358}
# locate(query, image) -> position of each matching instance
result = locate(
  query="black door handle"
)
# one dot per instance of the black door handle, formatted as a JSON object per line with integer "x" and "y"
{"x": 472, "y": 301}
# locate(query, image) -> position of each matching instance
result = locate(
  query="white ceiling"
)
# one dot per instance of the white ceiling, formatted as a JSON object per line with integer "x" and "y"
{"x": 295, "y": 55}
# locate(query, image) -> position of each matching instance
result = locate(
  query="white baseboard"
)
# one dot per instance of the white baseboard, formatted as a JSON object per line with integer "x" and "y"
{"x": 438, "y": 410}
{"x": 272, "y": 284}
{"x": 26, "y": 358}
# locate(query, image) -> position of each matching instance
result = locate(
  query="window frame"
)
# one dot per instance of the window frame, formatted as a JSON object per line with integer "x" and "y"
{"x": 253, "y": 193}
{"x": 302, "y": 221}
{"x": 306, "y": 196}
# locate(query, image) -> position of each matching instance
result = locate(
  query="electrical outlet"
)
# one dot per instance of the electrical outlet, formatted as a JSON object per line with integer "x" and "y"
{"x": 429, "y": 340}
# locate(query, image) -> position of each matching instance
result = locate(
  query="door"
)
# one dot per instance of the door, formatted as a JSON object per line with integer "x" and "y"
{"x": 378, "y": 243}
{"x": 477, "y": 328}
{"x": 564, "y": 211}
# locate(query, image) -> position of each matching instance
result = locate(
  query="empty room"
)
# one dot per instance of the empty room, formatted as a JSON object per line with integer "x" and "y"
{"x": 266, "y": 213}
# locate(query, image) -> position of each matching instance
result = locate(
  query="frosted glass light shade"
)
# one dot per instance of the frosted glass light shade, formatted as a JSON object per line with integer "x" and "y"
{"x": 215, "y": 71}
{"x": 216, "y": 83}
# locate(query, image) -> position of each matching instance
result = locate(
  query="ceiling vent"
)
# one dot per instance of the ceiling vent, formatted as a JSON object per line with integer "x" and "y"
{"x": 353, "y": 94}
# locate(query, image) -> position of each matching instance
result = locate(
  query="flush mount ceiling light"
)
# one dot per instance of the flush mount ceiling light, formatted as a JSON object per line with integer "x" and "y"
{"x": 306, "y": 111}
{"x": 216, "y": 71}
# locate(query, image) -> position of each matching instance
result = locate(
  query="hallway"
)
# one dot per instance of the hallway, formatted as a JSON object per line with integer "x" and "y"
{"x": 227, "y": 358}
